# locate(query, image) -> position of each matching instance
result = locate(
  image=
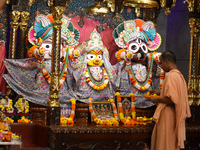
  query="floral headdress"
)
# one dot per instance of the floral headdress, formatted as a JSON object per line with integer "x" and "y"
{"x": 133, "y": 29}
{"x": 95, "y": 43}
{"x": 43, "y": 30}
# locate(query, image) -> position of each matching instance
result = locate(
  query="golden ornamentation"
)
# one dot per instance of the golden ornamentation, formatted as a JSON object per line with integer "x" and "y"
{"x": 50, "y": 3}
{"x": 110, "y": 4}
{"x": 137, "y": 11}
{"x": 54, "y": 90}
{"x": 7, "y": 1}
{"x": 23, "y": 31}
{"x": 55, "y": 66}
{"x": 163, "y": 4}
{"x": 191, "y": 5}
{"x": 24, "y": 19}
{"x": 15, "y": 15}
{"x": 31, "y": 2}
{"x": 97, "y": 9}
{"x": 194, "y": 77}
{"x": 141, "y": 3}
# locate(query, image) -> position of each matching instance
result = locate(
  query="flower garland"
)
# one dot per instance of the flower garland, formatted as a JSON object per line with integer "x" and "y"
{"x": 162, "y": 73}
{"x": 114, "y": 108}
{"x": 8, "y": 120}
{"x": 26, "y": 109}
{"x": 95, "y": 86}
{"x": 142, "y": 86}
{"x": 2, "y": 107}
{"x": 63, "y": 74}
{"x": 70, "y": 120}
{"x": 9, "y": 105}
{"x": 24, "y": 120}
{"x": 107, "y": 122}
{"x": 143, "y": 120}
{"x": 162, "y": 76}
{"x": 128, "y": 120}
{"x": 119, "y": 54}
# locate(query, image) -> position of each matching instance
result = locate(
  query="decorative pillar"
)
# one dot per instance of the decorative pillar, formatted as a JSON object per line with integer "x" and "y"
{"x": 15, "y": 15}
{"x": 23, "y": 33}
{"x": 53, "y": 106}
{"x": 194, "y": 77}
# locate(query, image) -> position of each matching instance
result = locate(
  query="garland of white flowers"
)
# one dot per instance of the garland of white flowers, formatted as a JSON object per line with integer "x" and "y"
{"x": 95, "y": 86}
{"x": 141, "y": 86}
{"x": 9, "y": 105}
{"x": 63, "y": 74}
{"x": 19, "y": 102}
{"x": 2, "y": 107}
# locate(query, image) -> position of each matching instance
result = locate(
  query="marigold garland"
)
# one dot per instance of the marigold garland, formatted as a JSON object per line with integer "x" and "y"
{"x": 30, "y": 52}
{"x": 9, "y": 105}
{"x": 2, "y": 107}
{"x": 95, "y": 86}
{"x": 70, "y": 120}
{"x": 128, "y": 120}
{"x": 26, "y": 109}
{"x": 107, "y": 122}
{"x": 63, "y": 74}
{"x": 119, "y": 54}
{"x": 143, "y": 120}
{"x": 24, "y": 120}
{"x": 8, "y": 120}
{"x": 135, "y": 82}
{"x": 162, "y": 76}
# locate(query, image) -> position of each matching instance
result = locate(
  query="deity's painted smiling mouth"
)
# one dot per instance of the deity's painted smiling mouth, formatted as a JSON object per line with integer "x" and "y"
{"x": 138, "y": 58}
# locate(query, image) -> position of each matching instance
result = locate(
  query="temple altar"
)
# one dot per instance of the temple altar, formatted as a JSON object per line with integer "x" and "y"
{"x": 82, "y": 57}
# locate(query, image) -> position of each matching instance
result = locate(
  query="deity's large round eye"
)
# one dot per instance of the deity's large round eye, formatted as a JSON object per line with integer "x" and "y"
{"x": 144, "y": 48}
{"x": 100, "y": 57}
{"x": 91, "y": 56}
{"x": 134, "y": 47}
{"x": 47, "y": 46}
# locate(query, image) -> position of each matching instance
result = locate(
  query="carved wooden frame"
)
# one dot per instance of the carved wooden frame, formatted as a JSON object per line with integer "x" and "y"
{"x": 123, "y": 98}
{"x": 102, "y": 103}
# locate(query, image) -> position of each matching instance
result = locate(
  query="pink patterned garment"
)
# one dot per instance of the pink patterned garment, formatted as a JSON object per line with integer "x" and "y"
{"x": 2, "y": 67}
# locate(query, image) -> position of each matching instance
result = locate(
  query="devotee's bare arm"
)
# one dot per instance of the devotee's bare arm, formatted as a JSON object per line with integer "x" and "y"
{"x": 154, "y": 92}
{"x": 164, "y": 100}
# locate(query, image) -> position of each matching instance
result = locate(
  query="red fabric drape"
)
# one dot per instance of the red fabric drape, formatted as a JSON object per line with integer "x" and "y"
{"x": 106, "y": 35}
{"x": 2, "y": 67}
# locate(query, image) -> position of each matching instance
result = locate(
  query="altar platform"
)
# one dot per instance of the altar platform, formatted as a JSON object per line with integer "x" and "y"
{"x": 90, "y": 136}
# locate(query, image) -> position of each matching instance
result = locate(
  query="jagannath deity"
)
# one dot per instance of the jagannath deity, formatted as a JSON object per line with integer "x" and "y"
{"x": 138, "y": 66}
{"x": 31, "y": 77}
{"x": 96, "y": 74}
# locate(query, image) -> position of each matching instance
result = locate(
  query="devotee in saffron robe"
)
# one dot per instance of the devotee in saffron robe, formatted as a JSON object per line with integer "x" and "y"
{"x": 172, "y": 108}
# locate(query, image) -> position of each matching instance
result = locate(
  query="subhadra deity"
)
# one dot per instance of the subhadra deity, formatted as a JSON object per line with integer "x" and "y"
{"x": 96, "y": 72}
{"x": 138, "y": 66}
{"x": 31, "y": 77}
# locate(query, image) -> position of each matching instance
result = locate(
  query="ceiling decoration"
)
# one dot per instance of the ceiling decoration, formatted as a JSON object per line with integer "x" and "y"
{"x": 167, "y": 4}
{"x": 98, "y": 8}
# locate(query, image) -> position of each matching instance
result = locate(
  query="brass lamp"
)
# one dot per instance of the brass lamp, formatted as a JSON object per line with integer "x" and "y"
{"x": 97, "y": 9}
{"x": 141, "y": 4}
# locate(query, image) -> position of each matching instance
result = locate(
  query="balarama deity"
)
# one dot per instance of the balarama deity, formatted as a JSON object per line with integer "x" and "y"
{"x": 96, "y": 72}
{"x": 31, "y": 77}
{"x": 138, "y": 67}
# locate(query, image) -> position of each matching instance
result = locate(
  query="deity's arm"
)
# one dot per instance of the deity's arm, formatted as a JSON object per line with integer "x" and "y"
{"x": 34, "y": 51}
